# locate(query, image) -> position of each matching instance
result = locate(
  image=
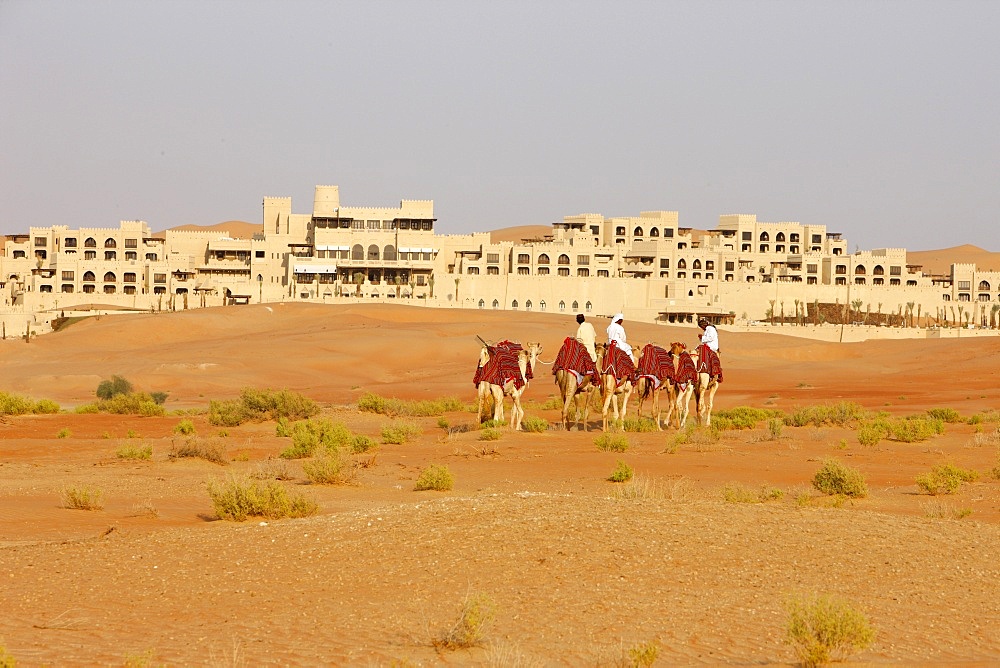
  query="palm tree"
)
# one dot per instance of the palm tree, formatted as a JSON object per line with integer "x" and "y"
{"x": 919, "y": 307}
{"x": 815, "y": 311}
{"x": 771, "y": 310}
{"x": 880, "y": 313}
{"x": 359, "y": 278}
{"x": 797, "y": 322}
{"x": 430, "y": 282}
{"x": 398, "y": 280}
{"x": 457, "y": 281}
{"x": 909, "y": 309}
{"x": 961, "y": 314}
{"x": 856, "y": 306}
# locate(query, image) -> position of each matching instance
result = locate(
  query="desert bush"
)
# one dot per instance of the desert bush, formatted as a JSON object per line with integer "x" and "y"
{"x": 159, "y": 397}
{"x": 475, "y": 619}
{"x": 258, "y": 405}
{"x": 272, "y": 469}
{"x": 392, "y": 407}
{"x": 638, "y": 425}
{"x": 535, "y": 425}
{"x": 841, "y": 414}
{"x": 310, "y": 435}
{"x": 611, "y": 443}
{"x": 12, "y": 404}
{"x": 436, "y": 477}
{"x": 642, "y": 655}
{"x": 360, "y": 443}
{"x": 945, "y": 414}
{"x": 133, "y": 403}
{"x": 492, "y": 424}
{"x": 642, "y": 487}
{"x": 745, "y": 417}
{"x": 333, "y": 467}
{"x": 824, "y": 628}
{"x": 184, "y": 428}
{"x": 913, "y": 429}
{"x": 211, "y": 450}
{"x": 397, "y": 433}
{"x": 64, "y": 433}
{"x": 134, "y": 451}
{"x": 443, "y": 423}
{"x": 774, "y": 427}
{"x": 239, "y": 498}
{"x": 835, "y": 477}
{"x": 283, "y": 427}
{"x": 945, "y": 479}
{"x": 83, "y": 498}
{"x": 111, "y": 388}
{"x": 490, "y": 434}
{"x": 735, "y": 492}
{"x": 622, "y": 473}
{"x": 7, "y": 659}
{"x": 870, "y": 432}
{"x": 940, "y": 509}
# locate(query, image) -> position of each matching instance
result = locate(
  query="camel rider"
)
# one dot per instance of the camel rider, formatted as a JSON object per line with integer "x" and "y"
{"x": 616, "y": 333}
{"x": 586, "y": 335}
{"x": 711, "y": 336}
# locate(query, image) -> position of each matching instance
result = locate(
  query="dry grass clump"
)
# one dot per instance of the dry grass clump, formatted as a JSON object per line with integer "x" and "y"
{"x": 823, "y": 628}
{"x": 373, "y": 403}
{"x": 258, "y": 405}
{"x": 642, "y": 655}
{"x": 7, "y": 659}
{"x": 611, "y": 443}
{"x": 469, "y": 630}
{"x": 735, "y": 492}
{"x": 841, "y": 414}
{"x": 334, "y": 467}
{"x": 643, "y": 488}
{"x": 435, "y": 477}
{"x": 272, "y": 469}
{"x": 210, "y": 449}
{"x": 835, "y": 478}
{"x": 490, "y": 434}
{"x": 945, "y": 479}
{"x": 940, "y": 509}
{"x": 83, "y": 498}
{"x": 239, "y": 498}
{"x": 129, "y": 450}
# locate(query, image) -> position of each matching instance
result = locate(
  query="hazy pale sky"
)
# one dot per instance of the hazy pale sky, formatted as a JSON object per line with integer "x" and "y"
{"x": 878, "y": 119}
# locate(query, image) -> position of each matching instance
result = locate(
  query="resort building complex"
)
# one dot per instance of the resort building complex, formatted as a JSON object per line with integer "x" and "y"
{"x": 648, "y": 267}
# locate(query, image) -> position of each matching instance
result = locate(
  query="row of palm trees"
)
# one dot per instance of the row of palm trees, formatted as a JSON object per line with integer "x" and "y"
{"x": 909, "y": 315}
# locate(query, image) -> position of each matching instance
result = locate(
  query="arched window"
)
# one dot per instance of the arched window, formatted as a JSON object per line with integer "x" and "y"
{"x": 780, "y": 236}
{"x": 110, "y": 243}
{"x": 109, "y": 277}
{"x": 653, "y": 232}
{"x": 541, "y": 305}
{"x": 513, "y": 304}
{"x": 90, "y": 243}
{"x": 682, "y": 263}
{"x": 482, "y": 304}
{"x": 589, "y": 306}
{"x": 527, "y": 305}
{"x": 860, "y": 270}
{"x": 562, "y": 305}
{"x": 696, "y": 265}
{"x": 637, "y": 232}
{"x": 764, "y": 236}
{"x": 984, "y": 285}
{"x": 89, "y": 276}
{"x": 358, "y": 252}
{"x": 576, "y": 305}
{"x": 543, "y": 259}
{"x": 878, "y": 270}
{"x": 373, "y": 252}
{"x": 496, "y": 304}
{"x": 389, "y": 252}
{"x": 564, "y": 259}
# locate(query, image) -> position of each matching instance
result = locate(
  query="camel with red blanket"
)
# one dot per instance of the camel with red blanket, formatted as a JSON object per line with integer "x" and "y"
{"x": 655, "y": 375}
{"x": 505, "y": 370}
{"x": 685, "y": 380}
{"x": 709, "y": 377}
{"x": 576, "y": 374}
{"x": 617, "y": 371}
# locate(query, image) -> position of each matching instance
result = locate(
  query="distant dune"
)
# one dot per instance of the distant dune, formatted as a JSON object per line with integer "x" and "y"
{"x": 519, "y": 232}
{"x": 940, "y": 261}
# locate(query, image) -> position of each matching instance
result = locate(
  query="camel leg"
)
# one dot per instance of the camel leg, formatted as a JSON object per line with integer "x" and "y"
{"x": 684, "y": 406}
{"x": 609, "y": 394}
{"x": 656, "y": 407}
{"x": 713, "y": 386}
{"x": 497, "y": 393}
{"x": 625, "y": 396}
{"x": 515, "y": 410}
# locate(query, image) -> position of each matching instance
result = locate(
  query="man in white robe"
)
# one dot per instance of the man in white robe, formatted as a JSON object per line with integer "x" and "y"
{"x": 616, "y": 333}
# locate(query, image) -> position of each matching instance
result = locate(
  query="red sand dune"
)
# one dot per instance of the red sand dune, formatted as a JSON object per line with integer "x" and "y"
{"x": 577, "y": 576}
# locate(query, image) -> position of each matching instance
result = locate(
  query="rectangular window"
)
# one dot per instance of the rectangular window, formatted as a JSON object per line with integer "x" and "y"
{"x": 159, "y": 278}
{"x": 493, "y": 271}
{"x": 730, "y": 266}
{"x": 357, "y": 224}
{"x": 69, "y": 242}
{"x": 668, "y": 231}
{"x": 67, "y": 275}
{"x": 373, "y": 225}
{"x": 812, "y": 268}
{"x": 583, "y": 259}
{"x": 131, "y": 243}
{"x": 564, "y": 271}
{"x": 817, "y": 239}
{"x": 602, "y": 273}
{"x": 523, "y": 271}
{"x": 493, "y": 257}
{"x": 40, "y": 242}
{"x": 748, "y": 236}
{"x": 129, "y": 277}
{"x": 583, "y": 272}
{"x": 895, "y": 271}
{"x": 523, "y": 258}
{"x": 709, "y": 264}
{"x": 664, "y": 263}
{"x": 964, "y": 285}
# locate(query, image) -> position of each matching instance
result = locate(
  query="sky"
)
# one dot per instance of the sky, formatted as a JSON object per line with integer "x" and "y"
{"x": 878, "y": 119}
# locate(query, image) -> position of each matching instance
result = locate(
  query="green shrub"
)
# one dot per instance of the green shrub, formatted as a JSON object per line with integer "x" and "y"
{"x": 735, "y": 492}
{"x": 945, "y": 479}
{"x": 133, "y": 403}
{"x": 83, "y": 498}
{"x": 841, "y": 414}
{"x": 333, "y": 467}
{"x": 611, "y": 443}
{"x": 744, "y": 417}
{"x": 360, "y": 443}
{"x": 949, "y": 415}
{"x": 45, "y": 407}
{"x": 240, "y": 498}
{"x": 64, "y": 433}
{"x": 443, "y": 423}
{"x": 310, "y": 435}
{"x": 490, "y": 434}
{"x": 373, "y": 403}
{"x": 111, "y": 388}
{"x": 836, "y": 478}
{"x": 184, "y": 428}
{"x": 913, "y": 429}
{"x": 774, "y": 427}
{"x": 477, "y": 615}
{"x": 622, "y": 473}
{"x": 159, "y": 397}
{"x": 12, "y": 404}
{"x": 211, "y": 450}
{"x": 436, "y": 477}
{"x": 258, "y": 405}
{"x": 870, "y": 432}
{"x": 823, "y": 628}
{"x": 492, "y": 424}
{"x": 283, "y": 427}
{"x": 7, "y": 659}
{"x": 397, "y": 433}
{"x": 535, "y": 425}
{"x": 643, "y": 655}
{"x": 638, "y": 425}
{"x": 134, "y": 451}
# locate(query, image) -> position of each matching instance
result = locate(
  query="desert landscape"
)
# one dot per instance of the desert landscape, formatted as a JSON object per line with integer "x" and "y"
{"x": 686, "y": 557}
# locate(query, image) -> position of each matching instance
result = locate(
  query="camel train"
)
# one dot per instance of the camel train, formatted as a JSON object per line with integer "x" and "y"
{"x": 505, "y": 369}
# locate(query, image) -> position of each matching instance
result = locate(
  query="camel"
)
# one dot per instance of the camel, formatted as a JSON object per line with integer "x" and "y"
{"x": 611, "y": 389}
{"x": 526, "y": 359}
{"x": 685, "y": 379}
{"x": 645, "y": 387}
{"x": 704, "y": 389}
{"x": 571, "y": 386}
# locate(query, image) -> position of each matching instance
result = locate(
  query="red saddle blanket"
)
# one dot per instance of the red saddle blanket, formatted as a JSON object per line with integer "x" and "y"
{"x": 686, "y": 371}
{"x": 708, "y": 362}
{"x": 618, "y": 363}
{"x": 502, "y": 366}
{"x": 656, "y": 362}
{"x": 573, "y": 356}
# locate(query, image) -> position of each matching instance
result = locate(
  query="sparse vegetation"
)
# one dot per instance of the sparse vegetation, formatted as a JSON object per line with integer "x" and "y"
{"x": 490, "y": 434}
{"x": 622, "y": 473}
{"x": 870, "y": 432}
{"x": 184, "y": 428}
{"x": 735, "y": 492}
{"x": 643, "y": 655}
{"x": 333, "y": 467}
{"x": 397, "y": 433}
{"x": 435, "y": 477}
{"x": 129, "y": 450}
{"x": 913, "y": 429}
{"x": 834, "y": 478}
{"x": 115, "y": 386}
{"x": 942, "y": 510}
{"x": 240, "y": 498}
{"x": 258, "y": 405}
{"x": 841, "y": 414}
{"x": 64, "y": 433}
{"x": 774, "y": 427}
{"x": 373, "y": 403}
{"x": 945, "y": 479}
{"x": 824, "y": 628}
{"x": 611, "y": 443}
{"x": 159, "y": 397}
{"x": 492, "y": 424}
{"x": 743, "y": 417}
{"x": 132, "y": 403}
{"x": 310, "y": 435}
{"x": 949, "y": 415}
{"x": 638, "y": 425}
{"x": 535, "y": 425}
{"x": 12, "y": 404}
{"x": 210, "y": 449}
{"x": 477, "y": 615}
{"x": 272, "y": 469}
{"x": 83, "y": 498}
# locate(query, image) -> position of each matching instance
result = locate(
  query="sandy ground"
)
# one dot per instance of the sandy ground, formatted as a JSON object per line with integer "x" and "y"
{"x": 578, "y": 576}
